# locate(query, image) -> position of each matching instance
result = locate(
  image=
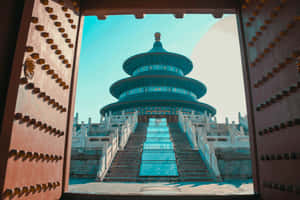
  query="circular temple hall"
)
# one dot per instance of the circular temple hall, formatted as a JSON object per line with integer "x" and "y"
{"x": 158, "y": 86}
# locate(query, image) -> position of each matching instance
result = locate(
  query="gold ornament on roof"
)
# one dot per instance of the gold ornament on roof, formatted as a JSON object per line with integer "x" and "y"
{"x": 157, "y": 36}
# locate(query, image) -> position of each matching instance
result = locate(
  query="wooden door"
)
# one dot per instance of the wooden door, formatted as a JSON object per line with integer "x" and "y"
{"x": 36, "y": 127}
{"x": 269, "y": 32}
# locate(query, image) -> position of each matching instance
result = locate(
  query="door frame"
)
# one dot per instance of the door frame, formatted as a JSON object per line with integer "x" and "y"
{"x": 154, "y": 8}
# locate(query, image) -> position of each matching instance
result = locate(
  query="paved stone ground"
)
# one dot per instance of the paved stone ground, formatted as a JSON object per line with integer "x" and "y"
{"x": 192, "y": 188}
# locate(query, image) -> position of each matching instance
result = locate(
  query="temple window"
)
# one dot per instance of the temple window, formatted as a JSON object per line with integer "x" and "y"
{"x": 157, "y": 89}
{"x": 158, "y": 68}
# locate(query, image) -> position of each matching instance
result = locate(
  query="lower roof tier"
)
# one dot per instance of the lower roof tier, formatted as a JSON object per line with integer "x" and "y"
{"x": 197, "y": 106}
{"x": 189, "y": 84}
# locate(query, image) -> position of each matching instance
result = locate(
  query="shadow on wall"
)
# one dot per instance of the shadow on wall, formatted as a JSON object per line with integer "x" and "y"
{"x": 236, "y": 183}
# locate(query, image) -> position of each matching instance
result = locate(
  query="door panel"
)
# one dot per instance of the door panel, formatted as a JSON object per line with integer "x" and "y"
{"x": 272, "y": 52}
{"x": 39, "y": 133}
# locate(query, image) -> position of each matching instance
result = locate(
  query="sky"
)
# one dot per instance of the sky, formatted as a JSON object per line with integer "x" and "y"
{"x": 212, "y": 45}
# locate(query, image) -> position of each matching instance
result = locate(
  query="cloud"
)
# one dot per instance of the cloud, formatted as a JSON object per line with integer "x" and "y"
{"x": 217, "y": 63}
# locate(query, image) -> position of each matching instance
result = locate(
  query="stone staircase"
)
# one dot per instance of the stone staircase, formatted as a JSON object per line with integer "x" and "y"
{"x": 190, "y": 165}
{"x": 126, "y": 164}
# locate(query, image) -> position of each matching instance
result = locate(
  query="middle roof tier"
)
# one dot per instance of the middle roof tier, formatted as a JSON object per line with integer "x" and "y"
{"x": 189, "y": 84}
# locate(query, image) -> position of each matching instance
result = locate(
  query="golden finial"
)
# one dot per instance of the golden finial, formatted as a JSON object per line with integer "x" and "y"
{"x": 157, "y": 36}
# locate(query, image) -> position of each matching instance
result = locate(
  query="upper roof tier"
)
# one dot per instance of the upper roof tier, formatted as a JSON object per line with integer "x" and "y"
{"x": 157, "y": 55}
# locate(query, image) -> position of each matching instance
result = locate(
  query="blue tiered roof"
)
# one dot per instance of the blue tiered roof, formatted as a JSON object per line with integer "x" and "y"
{"x": 158, "y": 55}
{"x": 157, "y": 79}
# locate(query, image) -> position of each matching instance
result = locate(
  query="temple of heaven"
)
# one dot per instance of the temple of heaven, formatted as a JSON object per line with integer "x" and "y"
{"x": 157, "y": 85}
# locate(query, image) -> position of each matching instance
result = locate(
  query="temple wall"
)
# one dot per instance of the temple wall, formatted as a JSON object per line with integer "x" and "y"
{"x": 234, "y": 164}
{"x": 94, "y": 145}
{"x": 225, "y": 147}
{"x": 85, "y": 163}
